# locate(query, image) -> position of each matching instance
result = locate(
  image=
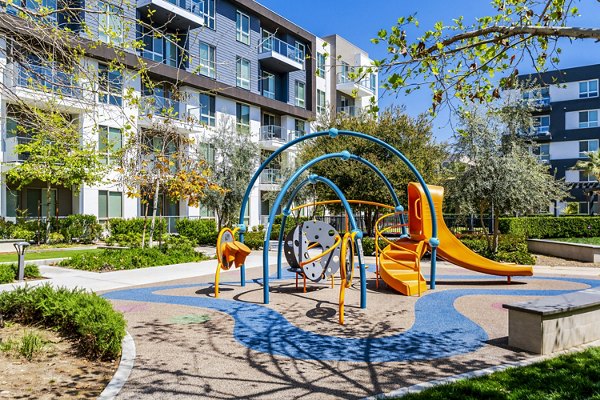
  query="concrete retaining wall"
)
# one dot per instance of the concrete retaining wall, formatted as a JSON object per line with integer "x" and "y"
{"x": 572, "y": 251}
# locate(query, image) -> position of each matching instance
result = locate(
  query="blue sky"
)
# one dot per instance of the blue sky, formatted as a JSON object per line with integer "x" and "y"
{"x": 359, "y": 21}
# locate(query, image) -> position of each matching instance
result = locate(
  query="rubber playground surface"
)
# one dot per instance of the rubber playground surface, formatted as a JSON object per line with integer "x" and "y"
{"x": 190, "y": 344}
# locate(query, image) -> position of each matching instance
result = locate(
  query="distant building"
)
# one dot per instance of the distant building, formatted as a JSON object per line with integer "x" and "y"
{"x": 566, "y": 127}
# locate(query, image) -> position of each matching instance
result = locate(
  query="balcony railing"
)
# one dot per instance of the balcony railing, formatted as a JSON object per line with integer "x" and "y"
{"x": 365, "y": 83}
{"x": 272, "y": 132}
{"x": 47, "y": 78}
{"x": 160, "y": 106}
{"x": 195, "y": 7}
{"x": 270, "y": 176}
{"x": 292, "y": 135}
{"x": 283, "y": 48}
{"x": 349, "y": 110}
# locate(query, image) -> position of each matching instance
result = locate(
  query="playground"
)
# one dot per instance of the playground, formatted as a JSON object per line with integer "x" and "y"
{"x": 314, "y": 317}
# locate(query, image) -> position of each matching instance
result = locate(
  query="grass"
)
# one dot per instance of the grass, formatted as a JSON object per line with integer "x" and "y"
{"x": 28, "y": 346}
{"x": 586, "y": 240}
{"x": 567, "y": 377}
{"x": 46, "y": 254}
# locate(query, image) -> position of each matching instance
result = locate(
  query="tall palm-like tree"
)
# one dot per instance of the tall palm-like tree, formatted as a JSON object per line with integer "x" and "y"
{"x": 590, "y": 166}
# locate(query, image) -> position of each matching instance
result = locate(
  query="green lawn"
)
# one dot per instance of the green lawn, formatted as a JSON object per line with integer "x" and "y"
{"x": 568, "y": 377}
{"x": 42, "y": 255}
{"x": 588, "y": 240}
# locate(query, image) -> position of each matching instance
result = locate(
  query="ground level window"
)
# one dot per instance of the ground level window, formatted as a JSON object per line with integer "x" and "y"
{"x": 110, "y": 204}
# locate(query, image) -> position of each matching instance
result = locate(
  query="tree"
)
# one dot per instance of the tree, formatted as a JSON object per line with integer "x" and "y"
{"x": 231, "y": 168}
{"x": 52, "y": 151}
{"x": 412, "y": 136}
{"x": 499, "y": 175}
{"x": 591, "y": 166}
{"x": 462, "y": 59}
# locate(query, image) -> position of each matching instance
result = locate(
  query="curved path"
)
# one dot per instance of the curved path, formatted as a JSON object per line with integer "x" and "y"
{"x": 439, "y": 330}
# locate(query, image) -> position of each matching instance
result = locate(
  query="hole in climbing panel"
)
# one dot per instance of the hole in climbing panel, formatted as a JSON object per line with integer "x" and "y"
{"x": 331, "y": 232}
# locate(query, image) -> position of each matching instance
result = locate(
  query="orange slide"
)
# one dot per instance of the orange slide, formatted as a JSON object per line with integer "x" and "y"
{"x": 394, "y": 256}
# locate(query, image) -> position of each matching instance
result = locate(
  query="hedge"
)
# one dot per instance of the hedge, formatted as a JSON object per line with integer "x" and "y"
{"x": 200, "y": 231}
{"x": 551, "y": 227}
{"x": 85, "y": 317}
{"x": 119, "y": 226}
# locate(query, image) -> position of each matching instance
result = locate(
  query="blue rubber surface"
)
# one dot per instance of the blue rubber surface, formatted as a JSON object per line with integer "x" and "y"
{"x": 439, "y": 330}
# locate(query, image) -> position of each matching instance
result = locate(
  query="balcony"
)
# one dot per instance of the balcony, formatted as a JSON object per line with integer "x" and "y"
{"x": 46, "y": 78}
{"x": 279, "y": 56}
{"x": 354, "y": 87}
{"x": 272, "y": 136}
{"x": 159, "y": 106}
{"x": 349, "y": 110}
{"x": 177, "y": 14}
{"x": 271, "y": 176}
{"x": 293, "y": 135}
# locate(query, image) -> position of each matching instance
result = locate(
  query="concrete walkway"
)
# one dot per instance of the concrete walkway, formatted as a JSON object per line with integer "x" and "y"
{"x": 102, "y": 281}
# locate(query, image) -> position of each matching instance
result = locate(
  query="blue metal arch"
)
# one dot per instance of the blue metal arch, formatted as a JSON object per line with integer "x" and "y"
{"x": 433, "y": 241}
{"x": 286, "y": 210}
{"x": 344, "y": 155}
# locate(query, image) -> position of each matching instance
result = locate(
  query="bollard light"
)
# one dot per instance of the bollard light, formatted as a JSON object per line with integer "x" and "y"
{"x": 20, "y": 247}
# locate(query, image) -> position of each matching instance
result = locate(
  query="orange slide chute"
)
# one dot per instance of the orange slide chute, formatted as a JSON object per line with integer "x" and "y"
{"x": 398, "y": 263}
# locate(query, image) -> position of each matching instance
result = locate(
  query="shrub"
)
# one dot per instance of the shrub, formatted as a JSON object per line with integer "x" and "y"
{"x": 551, "y": 227}
{"x": 31, "y": 344}
{"x": 83, "y": 228}
{"x": 6, "y": 228}
{"x": 254, "y": 240}
{"x": 174, "y": 251}
{"x": 200, "y": 231}
{"x": 10, "y": 272}
{"x": 55, "y": 237}
{"x": 136, "y": 225}
{"x": 511, "y": 248}
{"x": 86, "y": 317}
{"x": 23, "y": 233}
{"x": 131, "y": 239}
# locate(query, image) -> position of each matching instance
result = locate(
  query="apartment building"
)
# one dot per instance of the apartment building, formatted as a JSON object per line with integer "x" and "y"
{"x": 235, "y": 60}
{"x": 566, "y": 128}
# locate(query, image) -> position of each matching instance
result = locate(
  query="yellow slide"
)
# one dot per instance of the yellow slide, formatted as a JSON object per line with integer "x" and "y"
{"x": 451, "y": 249}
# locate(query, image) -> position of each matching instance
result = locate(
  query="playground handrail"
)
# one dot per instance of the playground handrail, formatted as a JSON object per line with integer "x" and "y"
{"x": 338, "y": 239}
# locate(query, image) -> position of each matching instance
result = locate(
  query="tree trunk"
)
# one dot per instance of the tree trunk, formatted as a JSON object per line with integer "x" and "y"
{"x": 145, "y": 226}
{"x": 154, "y": 210}
{"x": 486, "y": 233}
{"x": 48, "y": 208}
{"x": 496, "y": 230}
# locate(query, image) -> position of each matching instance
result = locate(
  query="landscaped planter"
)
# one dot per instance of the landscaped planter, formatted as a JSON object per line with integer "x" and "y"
{"x": 572, "y": 251}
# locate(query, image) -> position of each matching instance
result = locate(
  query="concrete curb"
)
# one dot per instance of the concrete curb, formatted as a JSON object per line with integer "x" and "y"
{"x": 125, "y": 366}
{"x": 473, "y": 374}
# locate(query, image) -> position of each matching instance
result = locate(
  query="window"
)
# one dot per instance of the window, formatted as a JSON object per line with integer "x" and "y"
{"x": 242, "y": 25}
{"x": 299, "y": 128}
{"x": 586, "y": 177}
{"x": 110, "y": 141}
{"x": 587, "y": 146}
{"x": 34, "y": 6}
{"x": 542, "y": 152}
{"x": 110, "y": 86}
{"x": 588, "y": 119}
{"x": 207, "y": 60}
{"x": 209, "y": 13}
{"x": 243, "y": 73}
{"x": 242, "y": 117}
{"x": 207, "y": 109}
{"x": 584, "y": 207}
{"x": 373, "y": 82}
{"x": 268, "y": 85}
{"x": 110, "y": 23}
{"x": 110, "y": 204}
{"x": 162, "y": 47}
{"x": 538, "y": 96}
{"x": 588, "y": 89}
{"x": 321, "y": 107}
{"x": 37, "y": 202}
{"x": 207, "y": 152}
{"x": 541, "y": 125}
{"x": 321, "y": 65}
{"x": 299, "y": 52}
{"x": 300, "y": 94}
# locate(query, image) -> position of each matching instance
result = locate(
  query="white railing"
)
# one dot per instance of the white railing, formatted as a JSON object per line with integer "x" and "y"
{"x": 272, "y": 132}
{"x": 47, "y": 78}
{"x": 365, "y": 83}
{"x": 195, "y": 7}
{"x": 271, "y": 176}
{"x": 349, "y": 110}
{"x": 283, "y": 48}
{"x": 292, "y": 135}
{"x": 160, "y": 106}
